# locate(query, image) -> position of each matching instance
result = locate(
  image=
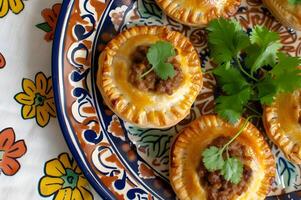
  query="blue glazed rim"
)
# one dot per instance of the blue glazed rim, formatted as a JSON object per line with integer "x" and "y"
{"x": 59, "y": 37}
{"x": 105, "y": 26}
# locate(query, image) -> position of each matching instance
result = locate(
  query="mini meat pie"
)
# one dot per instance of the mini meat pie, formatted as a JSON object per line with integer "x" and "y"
{"x": 135, "y": 92}
{"x": 191, "y": 180}
{"x": 282, "y": 124}
{"x": 287, "y": 13}
{"x": 198, "y": 12}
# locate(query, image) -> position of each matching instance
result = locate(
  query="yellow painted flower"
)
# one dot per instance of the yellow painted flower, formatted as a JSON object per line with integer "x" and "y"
{"x": 64, "y": 180}
{"x": 37, "y": 99}
{"x": 15, "y": 5}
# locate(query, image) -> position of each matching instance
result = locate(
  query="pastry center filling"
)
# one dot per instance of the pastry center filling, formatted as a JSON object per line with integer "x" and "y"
{"x": 216, "y": 186}
{"x": 151, "y": 82}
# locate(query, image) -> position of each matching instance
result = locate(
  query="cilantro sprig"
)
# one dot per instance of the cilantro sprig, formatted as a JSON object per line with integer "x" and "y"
{"x": 157, "y": 56}
{"x": 250, "y": 68}
{"x": 230, "y": 168}
{"x": 294, "y": 1}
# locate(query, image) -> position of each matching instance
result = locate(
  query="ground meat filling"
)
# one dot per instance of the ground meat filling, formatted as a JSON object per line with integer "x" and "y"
{"x": 217, "y": 187}
{"x": 152, "y": 82}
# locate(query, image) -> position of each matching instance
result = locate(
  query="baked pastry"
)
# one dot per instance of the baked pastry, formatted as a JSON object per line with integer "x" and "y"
{"x": 282, "y": 124}
{"x": 149, "y": 101}
{"x": 287, "y": 13}
{"x": 188, "y": 177}
{"x": 198, "y": 12}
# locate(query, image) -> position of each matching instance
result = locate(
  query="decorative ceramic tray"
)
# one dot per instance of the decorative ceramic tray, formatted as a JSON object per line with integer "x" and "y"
{"x": 122, "y": 161}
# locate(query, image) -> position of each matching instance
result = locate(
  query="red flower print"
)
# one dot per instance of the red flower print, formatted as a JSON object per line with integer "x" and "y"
{"x": 2, "y": 61}
{"x": 10, "y": 150}
{"x": 50, "y": 16}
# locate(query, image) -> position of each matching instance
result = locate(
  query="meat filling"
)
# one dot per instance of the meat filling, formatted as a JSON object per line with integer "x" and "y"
{"x": 152, "y": 82}
{"x": 217, "y": 187}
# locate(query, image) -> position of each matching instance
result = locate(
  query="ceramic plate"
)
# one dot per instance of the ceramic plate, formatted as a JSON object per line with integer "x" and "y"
{"x": 119, "y": 160}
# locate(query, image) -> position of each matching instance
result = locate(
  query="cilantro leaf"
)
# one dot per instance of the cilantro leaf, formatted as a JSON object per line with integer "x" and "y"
{"x": 238, "y": 93}
{"x": 236, "y": 78}
{"x": 213, "y": 159}
{"x": 231, "y": 107}
{"x": 230, "y": 78}
{"x": 153, "y": 55}
{"x": 288, "y": 82}
{"x": 226, "y": 39}
{"x": 263, "y": 36}
{"x": 264, "y": 48}
{"x": 158, "y": 55}
{"x": 165, "y": 70}
{"x": 286, "y": 63}
{"x": 284, "y": 77}
{"x": 286, "y": 73}
{"x": 232, "y": 170}
{"x": 294, "y": 1}
{"x": 267, "y": 89}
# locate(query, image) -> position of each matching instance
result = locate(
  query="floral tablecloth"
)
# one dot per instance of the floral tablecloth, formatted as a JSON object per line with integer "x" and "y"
{"x": 35, "y": 162}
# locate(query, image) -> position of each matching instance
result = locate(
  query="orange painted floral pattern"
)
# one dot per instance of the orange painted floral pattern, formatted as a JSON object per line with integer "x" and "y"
{"x": 37, "y": 99}
{"x": 50, "y": 16}
{"x": 2, "y": 61}
{"x": 10, "y": 151}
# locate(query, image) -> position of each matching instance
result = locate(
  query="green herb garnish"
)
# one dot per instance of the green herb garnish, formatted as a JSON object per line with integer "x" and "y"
{"x": 157, "y": 56}
{"x": 249, "y": 68}
{"x": 231, "y": 168}
{"x": 294, "y": 1}
{"x": 263, "y": 49}
{"x": 284, "y": 77}
{"x": 238, "y": 92}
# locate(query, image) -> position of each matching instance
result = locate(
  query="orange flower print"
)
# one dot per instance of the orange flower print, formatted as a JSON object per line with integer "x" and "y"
{"x": 10, "y": 150}
{"x": 37, "y": 99}
{"x": 64, "y": 180}
{"x": 2, "y": 61}
{"x": 50, "y": 16}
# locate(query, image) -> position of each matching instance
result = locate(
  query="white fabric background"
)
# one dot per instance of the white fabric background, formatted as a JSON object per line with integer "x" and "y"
{"x": 26, "y": 53}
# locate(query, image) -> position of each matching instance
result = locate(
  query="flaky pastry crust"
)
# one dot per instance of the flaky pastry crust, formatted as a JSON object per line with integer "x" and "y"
{"x": 188, "y": 146}
{"x": 288, "y": 14}
{"x": 282, "y": 124}
{"x": 148, "y": 109}
{"x": 196, "y": 12}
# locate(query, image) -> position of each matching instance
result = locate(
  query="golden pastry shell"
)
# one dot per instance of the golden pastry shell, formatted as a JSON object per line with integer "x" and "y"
{"x": 171, "y": 114}
{"x": 282, "y": 13}
{"x": 290, "y": 148}
{"x": 201, "y": 16}
{"x": 197, "y": 136}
